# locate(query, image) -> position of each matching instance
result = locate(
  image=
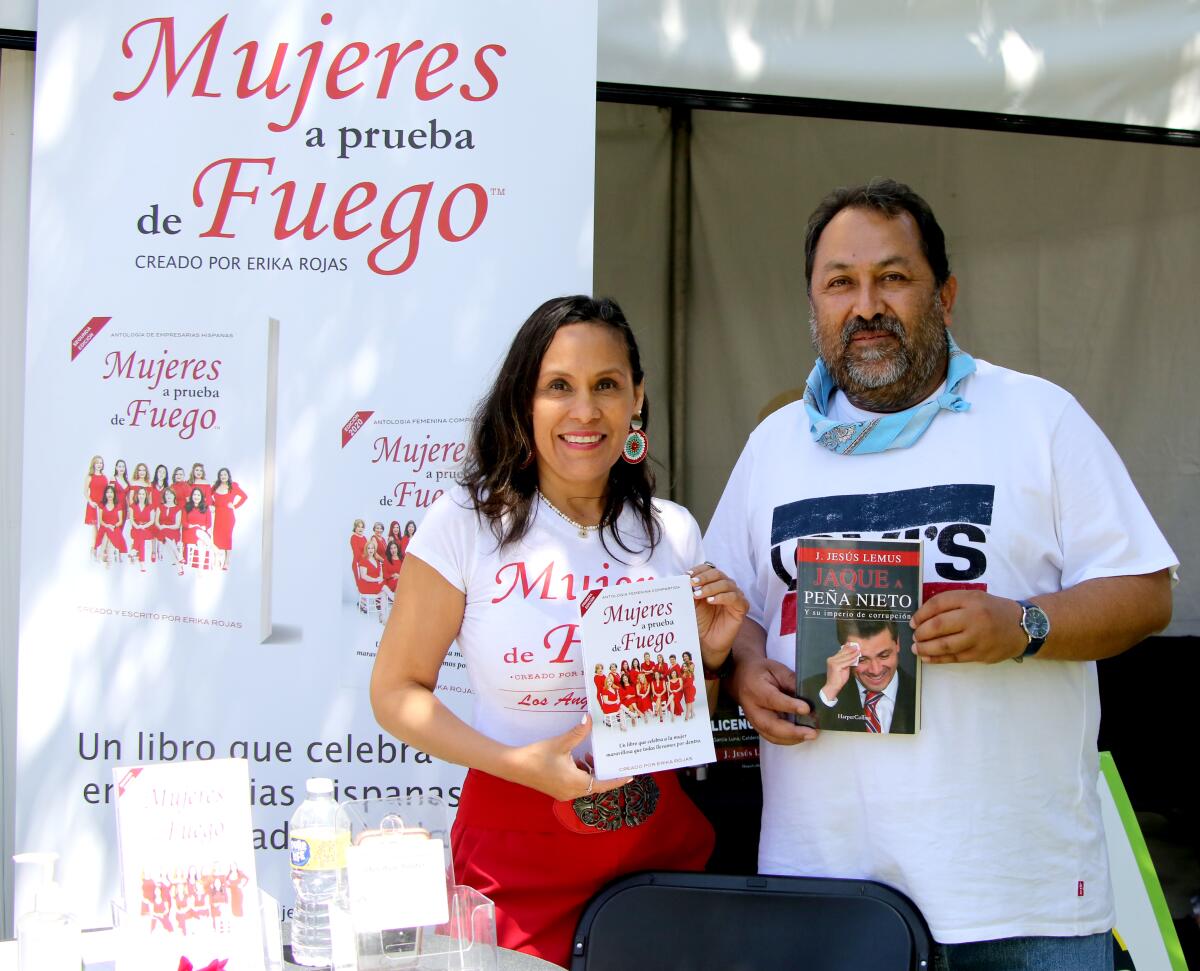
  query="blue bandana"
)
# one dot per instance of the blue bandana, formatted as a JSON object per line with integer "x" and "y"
{"x": 896, "y": 430}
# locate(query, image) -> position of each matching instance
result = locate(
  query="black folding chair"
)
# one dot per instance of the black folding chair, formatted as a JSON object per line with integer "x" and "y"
{"x": 694, "y": 921}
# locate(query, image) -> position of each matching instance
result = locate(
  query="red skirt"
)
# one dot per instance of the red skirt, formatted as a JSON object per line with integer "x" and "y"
{"x": 510, "y": 845}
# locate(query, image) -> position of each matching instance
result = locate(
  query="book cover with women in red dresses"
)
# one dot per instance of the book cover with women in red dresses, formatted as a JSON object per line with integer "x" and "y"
{"x": 393, "y": 470}
{"x": 187, "y": 865}
{"x": 646, "y": 685}
{"x": 178, "y": 462}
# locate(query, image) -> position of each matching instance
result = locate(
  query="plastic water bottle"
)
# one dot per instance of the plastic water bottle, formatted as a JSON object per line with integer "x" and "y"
{"x": 318, "y": 859}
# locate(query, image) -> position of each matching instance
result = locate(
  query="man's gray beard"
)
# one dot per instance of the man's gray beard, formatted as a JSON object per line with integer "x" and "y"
{"x": 887, "y": 379}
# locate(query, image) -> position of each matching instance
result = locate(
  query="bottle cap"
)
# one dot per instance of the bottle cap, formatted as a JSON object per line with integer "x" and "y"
{"x": 318, "y": 786}
{"x": 48, "y": 898}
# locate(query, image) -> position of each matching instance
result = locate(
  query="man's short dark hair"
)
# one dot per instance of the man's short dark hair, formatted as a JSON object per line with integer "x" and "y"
{"x": 850, "y": 627}
{"x": 885, "y": 196}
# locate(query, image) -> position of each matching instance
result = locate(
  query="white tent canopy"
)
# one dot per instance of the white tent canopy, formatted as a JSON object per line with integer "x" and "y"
{"x": 1126, "y": 62}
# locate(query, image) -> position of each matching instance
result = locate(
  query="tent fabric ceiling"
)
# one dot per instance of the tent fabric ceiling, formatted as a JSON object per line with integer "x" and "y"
{"x": 1128, "y": 62}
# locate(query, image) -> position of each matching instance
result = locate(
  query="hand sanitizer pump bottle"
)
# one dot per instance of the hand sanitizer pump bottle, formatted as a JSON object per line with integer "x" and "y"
{"x": 47, "y": 936}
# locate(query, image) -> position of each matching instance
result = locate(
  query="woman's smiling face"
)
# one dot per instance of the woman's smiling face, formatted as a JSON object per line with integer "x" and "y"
{"x": 584, "y": 399}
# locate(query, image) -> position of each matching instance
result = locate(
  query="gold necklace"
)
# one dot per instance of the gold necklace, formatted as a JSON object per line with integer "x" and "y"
{"x": 583, "y": 530}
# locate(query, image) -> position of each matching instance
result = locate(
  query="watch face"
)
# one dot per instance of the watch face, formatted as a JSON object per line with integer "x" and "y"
{"x": 1035, "y": 622}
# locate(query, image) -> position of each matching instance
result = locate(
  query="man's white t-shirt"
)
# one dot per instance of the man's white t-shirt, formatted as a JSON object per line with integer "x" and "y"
{"x": 520, "y": 632}
{"x": 988, "y": 818}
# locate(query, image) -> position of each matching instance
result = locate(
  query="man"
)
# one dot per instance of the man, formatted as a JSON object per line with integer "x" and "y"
{"x": 879, "y": 698}
{"x": 1038, "y": 550}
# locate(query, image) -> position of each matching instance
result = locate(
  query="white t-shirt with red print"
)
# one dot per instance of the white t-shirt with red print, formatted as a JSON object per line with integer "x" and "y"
{"x": 520, "y": 632}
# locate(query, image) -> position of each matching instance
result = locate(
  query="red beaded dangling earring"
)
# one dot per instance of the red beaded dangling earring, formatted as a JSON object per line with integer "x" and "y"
{"x": 635, "y": 443}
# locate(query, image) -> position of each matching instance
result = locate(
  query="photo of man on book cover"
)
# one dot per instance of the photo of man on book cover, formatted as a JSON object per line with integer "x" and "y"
{"x": 865, "y": 686}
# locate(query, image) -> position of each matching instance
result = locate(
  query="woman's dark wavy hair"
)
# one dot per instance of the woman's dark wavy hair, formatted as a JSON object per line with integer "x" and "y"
{"x": 500, "y": 473}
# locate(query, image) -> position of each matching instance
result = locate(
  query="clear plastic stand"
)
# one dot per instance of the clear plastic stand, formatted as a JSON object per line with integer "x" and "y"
{"x": 268, "y": 915}
{"x": 400, "y": 909}
{"x": 130, "y": 952}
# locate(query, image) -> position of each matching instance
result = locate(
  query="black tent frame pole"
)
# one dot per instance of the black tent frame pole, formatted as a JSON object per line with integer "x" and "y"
{"x": 679, "y": 287}
{"x": 769, "y": 104}
{"x": 17, "y": 40}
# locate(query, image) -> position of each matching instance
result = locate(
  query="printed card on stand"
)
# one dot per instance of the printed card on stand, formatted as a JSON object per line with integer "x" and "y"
{"x": 645, "y": 679}
{"x": 187, "y": 865}
{"x": 398, "y": 880}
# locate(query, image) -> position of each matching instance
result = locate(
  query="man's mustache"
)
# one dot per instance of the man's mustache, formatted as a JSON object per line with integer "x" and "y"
{"x": 884, "y": 322}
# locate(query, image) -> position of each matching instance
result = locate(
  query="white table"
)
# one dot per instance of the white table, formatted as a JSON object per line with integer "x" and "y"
{"x": 98, "y": 955}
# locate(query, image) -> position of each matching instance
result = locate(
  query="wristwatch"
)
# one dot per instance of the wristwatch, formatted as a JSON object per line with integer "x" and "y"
{"x": 1036, "y": 626}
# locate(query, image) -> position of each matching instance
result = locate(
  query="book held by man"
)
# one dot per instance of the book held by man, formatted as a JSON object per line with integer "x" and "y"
{"x": 854, "y": 659}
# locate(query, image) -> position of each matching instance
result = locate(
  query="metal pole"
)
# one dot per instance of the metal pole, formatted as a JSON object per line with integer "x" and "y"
{"x": 677, "y": 302}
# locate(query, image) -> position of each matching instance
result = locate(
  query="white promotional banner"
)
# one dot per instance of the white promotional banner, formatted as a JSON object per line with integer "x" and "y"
{"x": 277, "y": 251}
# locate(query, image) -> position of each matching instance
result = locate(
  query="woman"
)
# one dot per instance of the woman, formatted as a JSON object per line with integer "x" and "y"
{"x": 159, "y": 484}
{"x": 368, "y": 575}
{"x": 120, "y": 480}
{"x": 358, "y": 549}
{"x": 181, "y": 904}
{"x": 93, "y": 493}
{"x": 218, "y": 896}
{"x": 197, "y": 530}
{"x": 610, "y": 702}
{"x": 658, "y": 691}
{"x": 167, "y": 521}
{"x": 644, "y": 697}
{"x": 628, "y": 695}
{"x": 689, "y": 686}
{"x": 140, "y": 480}
{"x": 180, "y": 486}
{"x": 410, "y": 530}
{"x": 391, "y": 572}
{"x": 553, "y": 485}
{"x": 198, "y": 480}
{"x": 599, "y": 680}
{"x": 227, "y": 496}
{"x": 141, "y": 514}
{"x": 675, "y": 693}
{"x": 394, "y": 533}
{"x": 110, "y": 524}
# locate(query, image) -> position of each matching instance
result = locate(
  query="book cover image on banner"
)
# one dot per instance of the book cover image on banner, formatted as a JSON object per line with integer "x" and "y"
{"x": 178, "y": 445}
{"x": 398, "y": 187}
{"x": 393, "y": 468}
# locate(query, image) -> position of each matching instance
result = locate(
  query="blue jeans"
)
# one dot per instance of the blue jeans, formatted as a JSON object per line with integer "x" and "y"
{"x": 1092, "y": 953}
